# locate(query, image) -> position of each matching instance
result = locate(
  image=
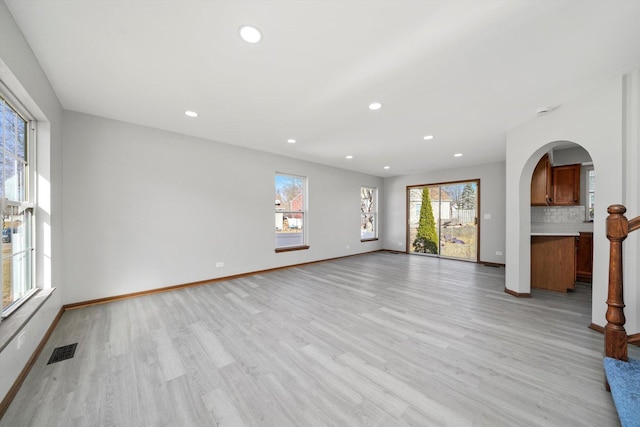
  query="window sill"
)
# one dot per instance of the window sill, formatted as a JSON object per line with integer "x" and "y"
{"x": 11, "y": 326}
{"x": 292, "y": 248}
{"x": 369, "y": 240}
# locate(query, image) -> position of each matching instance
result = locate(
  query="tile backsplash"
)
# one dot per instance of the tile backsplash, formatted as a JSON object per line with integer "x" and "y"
{"x": 558, "y": 214}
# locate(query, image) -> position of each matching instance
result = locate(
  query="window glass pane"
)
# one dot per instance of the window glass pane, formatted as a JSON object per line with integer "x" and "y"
{"x": 21, "y": 147}
{"x": 367, "y": 226}
{"x": 15, "y": 232}
{"x": 367, "y": 200}
{"x": 591, "y": 193}
{"x": 289, "y": 193}
{"x": 10, "y": 127}
{"x": 2, "y": 107}
{"x": 13, "y": 154}
{"x": 20, "y": 184}
{"x": 15, "y": 283}
{"x": 10, "y": 179}
{"x": 16, "y": 255}
{"x": 289, "y": 229}
{"x": 2, "y": 193}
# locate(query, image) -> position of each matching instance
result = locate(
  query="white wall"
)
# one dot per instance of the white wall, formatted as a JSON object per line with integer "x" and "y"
{"x": 570, "y": 156}
{"x": 631, "y": 197}
{"x": 145, "y": 209}
{"x": 21, "y": 73}
{"x": 594, "y": 121}
{"x": 492, "y": 201}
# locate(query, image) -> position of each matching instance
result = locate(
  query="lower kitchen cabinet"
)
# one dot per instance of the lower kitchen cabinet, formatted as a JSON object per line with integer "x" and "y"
{"x": 584, "y": 261}
{"x": 553, "y": 262}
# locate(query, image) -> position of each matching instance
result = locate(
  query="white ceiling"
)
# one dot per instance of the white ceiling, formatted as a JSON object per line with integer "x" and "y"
{"x": 464, "y": 71}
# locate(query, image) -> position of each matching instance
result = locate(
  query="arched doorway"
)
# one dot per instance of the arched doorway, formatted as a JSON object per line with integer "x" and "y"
{"x": 562, "y": 210}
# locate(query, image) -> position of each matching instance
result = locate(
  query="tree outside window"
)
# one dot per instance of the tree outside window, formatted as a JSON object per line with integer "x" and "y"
{"x": 426, "y": 240}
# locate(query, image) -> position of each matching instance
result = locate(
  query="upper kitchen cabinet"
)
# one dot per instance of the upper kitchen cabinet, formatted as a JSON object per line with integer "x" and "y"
{"x": 541, "y": 189}
{"x": 555, "y": 185}
{"x": 566, "y": 185}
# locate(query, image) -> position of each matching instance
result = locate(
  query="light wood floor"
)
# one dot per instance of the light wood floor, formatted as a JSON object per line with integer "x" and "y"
{"x": 380, "y": 339}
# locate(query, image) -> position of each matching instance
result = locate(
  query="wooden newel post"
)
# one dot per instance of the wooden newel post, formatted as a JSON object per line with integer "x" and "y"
{"x": 615, "y": 336}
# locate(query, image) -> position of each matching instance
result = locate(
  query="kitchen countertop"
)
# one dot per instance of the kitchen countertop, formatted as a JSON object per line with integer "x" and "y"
{"x": 565, "y": 229}
{"x": 559, "y": 233}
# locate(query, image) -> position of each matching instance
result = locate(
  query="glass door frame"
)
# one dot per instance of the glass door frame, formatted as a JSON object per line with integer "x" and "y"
{"x": 441, "y": 184}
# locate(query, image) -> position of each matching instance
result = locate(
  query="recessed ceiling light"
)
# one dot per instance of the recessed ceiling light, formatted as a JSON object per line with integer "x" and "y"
{"x": 291, "y": 141}
{"x": 457, "y": 155}
{"x": 428, "y": 137}
{"x": 375, "y": 106}
{"x": 387, "y": 167}
{"x": 250, "y": 34}
{"x": 349, "y": 157}
{"x": 191, "y": 113}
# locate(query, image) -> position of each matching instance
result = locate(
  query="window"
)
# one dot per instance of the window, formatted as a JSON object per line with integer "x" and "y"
{"x": 290, "y": 210}
{"x": 591, "y": 193}
{"x": 368, "y": 213}
{"x": 16, "y": 207}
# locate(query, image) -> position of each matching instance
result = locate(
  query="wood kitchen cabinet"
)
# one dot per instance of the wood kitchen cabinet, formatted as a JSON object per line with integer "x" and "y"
{"x": 553, "y": 262}
{"x": 555, "y": 186}
{"x": 566, "y": 185}
{"x": 541, "y": 188}
{"x": 584, "y": 257}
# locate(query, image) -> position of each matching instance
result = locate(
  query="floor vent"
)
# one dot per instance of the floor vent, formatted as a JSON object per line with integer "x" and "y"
{"x": 62, "y": 353}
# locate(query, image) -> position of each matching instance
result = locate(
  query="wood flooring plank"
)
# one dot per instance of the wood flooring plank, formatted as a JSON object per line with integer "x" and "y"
{"x": 234, "y": 287}
{"x": 241, "y": 303}
{"x": 212, "y": 345}
{"x": 168, "y": 356}
{"x": 254, "y": 403}
{"x": 223, "y": 408}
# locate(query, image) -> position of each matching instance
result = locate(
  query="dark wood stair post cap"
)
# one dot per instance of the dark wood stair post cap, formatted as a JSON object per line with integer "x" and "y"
{"x": 616, "y": 210}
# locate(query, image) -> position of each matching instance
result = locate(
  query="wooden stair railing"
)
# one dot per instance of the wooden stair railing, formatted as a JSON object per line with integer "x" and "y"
{"x": 615, "y": 336}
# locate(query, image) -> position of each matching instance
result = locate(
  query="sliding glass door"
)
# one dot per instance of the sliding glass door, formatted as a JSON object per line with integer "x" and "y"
{"x": 443, "y": 219}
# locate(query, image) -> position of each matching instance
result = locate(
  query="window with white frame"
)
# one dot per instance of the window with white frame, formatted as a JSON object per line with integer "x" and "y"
{"x": 591, "y": 193}
{"x": 290, "y": 212}
{"x": 368, "y": 213}
{"x": 16, "y": 205}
